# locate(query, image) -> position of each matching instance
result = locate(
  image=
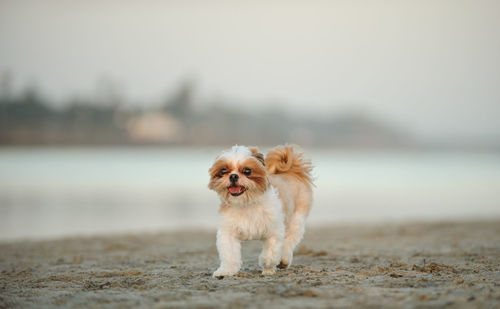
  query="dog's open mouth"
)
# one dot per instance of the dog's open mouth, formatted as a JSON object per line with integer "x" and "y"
{"x": 236, "y": 190}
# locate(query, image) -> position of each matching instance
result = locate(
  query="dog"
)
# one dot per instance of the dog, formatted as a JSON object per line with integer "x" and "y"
{"x": 267, "y": 199}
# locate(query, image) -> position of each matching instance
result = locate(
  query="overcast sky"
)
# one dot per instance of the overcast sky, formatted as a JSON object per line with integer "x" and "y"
{"x": 433, "y": 66}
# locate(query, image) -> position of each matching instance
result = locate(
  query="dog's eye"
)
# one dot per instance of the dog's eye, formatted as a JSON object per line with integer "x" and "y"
{"x": 222, "y": 171}
{"x": 247, "y": 171}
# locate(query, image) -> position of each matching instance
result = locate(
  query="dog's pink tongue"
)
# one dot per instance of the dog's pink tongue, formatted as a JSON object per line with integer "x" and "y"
{"x": 235, "y": 189}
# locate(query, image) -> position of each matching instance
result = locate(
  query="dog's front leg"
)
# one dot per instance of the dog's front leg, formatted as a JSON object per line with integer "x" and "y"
{"x": 229, "y": 248}
{"x": 271, "y": 253}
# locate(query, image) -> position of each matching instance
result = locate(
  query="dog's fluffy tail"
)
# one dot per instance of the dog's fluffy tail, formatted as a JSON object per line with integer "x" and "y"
{"x": 289, "y": 159}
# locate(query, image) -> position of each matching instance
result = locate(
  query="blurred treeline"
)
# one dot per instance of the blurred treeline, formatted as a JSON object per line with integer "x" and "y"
{"x": 26, "y": 118}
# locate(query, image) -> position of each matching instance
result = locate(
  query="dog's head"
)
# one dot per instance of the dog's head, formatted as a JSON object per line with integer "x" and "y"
{"x": 238, "y": 175}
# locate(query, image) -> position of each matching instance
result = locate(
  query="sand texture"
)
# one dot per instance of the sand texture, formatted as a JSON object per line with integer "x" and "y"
{"x": 405, "y": 265}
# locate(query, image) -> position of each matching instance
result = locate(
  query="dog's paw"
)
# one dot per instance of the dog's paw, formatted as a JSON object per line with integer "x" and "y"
{"x": 224, "y": 271}
{"x": 282, "y": 265}
{"x": 286, "y": 261}
{"x": 268, "y": 271}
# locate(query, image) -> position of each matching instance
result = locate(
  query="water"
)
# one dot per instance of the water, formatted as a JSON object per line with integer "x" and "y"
{"x": 53, "y": 192}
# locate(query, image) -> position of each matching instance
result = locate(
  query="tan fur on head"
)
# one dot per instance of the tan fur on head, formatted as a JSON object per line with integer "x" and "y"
{"x": 289, "y": 159}
{"x": 258, "y": 155}
{"x": 255, "y": 184}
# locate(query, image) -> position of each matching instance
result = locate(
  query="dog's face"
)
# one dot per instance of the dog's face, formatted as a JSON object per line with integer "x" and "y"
{"x": 239, "y": 175}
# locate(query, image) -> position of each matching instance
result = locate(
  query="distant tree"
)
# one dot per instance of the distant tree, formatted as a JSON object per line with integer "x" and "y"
{"x": 29, "y": 108}
{"x": 180, "y": 103}
{"x": 5, "y": 87}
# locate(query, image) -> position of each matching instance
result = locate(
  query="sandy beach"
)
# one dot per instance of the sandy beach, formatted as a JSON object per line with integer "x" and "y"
{"x": 391, "y": 265}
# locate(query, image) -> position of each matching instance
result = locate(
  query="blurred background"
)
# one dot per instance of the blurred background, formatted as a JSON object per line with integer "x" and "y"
{"x": 111, "y": 112}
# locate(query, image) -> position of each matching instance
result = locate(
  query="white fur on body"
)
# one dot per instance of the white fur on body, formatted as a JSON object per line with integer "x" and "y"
{"x": 277, "y": 217}
{"x": 263, "y": 220}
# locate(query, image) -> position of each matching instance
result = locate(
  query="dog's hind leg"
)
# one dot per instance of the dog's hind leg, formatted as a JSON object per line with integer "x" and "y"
{"x": 270, "y": 255}
{"x": 296, "y": 226}
{"x": 294, "y": 233}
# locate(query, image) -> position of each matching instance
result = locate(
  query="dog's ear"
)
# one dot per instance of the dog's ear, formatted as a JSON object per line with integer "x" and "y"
{"x": 259, "y": 156}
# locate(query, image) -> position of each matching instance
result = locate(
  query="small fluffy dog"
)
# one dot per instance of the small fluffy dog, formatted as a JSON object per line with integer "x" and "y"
{"x": 267, "y": 199}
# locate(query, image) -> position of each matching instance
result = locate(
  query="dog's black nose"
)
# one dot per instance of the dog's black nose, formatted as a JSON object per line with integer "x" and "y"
{"x": 233, "y": 177}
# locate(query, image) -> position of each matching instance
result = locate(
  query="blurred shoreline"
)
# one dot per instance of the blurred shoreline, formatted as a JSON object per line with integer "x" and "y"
{"x": 52, "y": 191}
{"x": 211, "y": 230}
